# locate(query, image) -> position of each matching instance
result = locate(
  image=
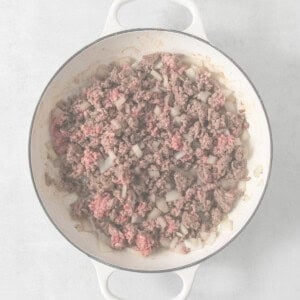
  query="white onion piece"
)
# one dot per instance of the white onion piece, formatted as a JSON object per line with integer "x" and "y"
{"x": 211, "y": 239}
{"x": 119, "y": 102}
{"x": 172, "y": 196}
{"x": 124, "y": 191}
{"x": 112, "y": 155}
{"x": 204, "y": 235}
{"x": 179, "y": 155}
{"x": 179, "y": 234}
{"x": 193, "y": 243}
{"x": 115, "y": 124}
{"x": 162, "y": 205}
{"x": 238, "y": 141}
{"x": 157, "y": 110}
{"x": 177, "y": 119}
{"x": 156, "y": 75}
{"x": 245, "y": 136}
{"x": 165, "y": 81}
{"x": 161, "y": 221}
{"x": 152, "y": 197}
{"x": 168, "y": 186}
{"x": 211, "y": 159}
{"x": 174, "y": 243}
{"x": 191, "y": 73}
{"x": 225, "y": 225}
{"x": 165, "y": 242}
{"x": 226, "y": 92}
{"x": 203, "y": 96}
{"x": 242, "y": 186}
{"x": 188, "y": 138}
{"x": 175, "y": 111}
{"x": 106, "y": 164}
{"x": 183, "y": 229}
{"x": 230, "y": 106}
{"x": 137, "y": 150}
{"x": 153, "y": 173}
{"x": 127, "y": 108}
{"x": 154, "y": 214}
{"x": 136, "y": 219}
{"x": 228, "y": 184}
{"x": 135, "y": 65}
{"x": 158, "y": 65}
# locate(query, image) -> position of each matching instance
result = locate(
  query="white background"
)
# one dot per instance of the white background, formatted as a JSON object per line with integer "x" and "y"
{"x": 36, "y": 37}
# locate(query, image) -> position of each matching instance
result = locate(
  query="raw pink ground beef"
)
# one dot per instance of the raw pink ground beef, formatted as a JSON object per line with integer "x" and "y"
{"x": 129, "y": 139}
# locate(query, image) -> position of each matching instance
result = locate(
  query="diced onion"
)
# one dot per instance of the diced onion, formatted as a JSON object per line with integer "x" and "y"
{"x": 154, "y": 214}
{"x": 136, "y": 219}
{"x": 211, "y": 159}
{"x": 228, "y": 184}
{"x": 177, "y": 119}
{"x": 204, "y": 235}
{"x": 162, "y": 205}
{"x": 183, "y": 229}
{"x": 161, "y": 221}
{"x": 106, "y": 164}
{"x": 245, "y": 136}
{"x": 137, "y": 151}
{"x": 124, "y": 191}
{"x": 112, "y": 155}
{"x": 175, "y": 111}
{"x": 238, "y": 141}
{"x": 127, "y": 108}
{"x": 226, "y": 225}
{"x": 242, "y": 186}
{"x": 156, "y": 75}
{"x": 119, "y": 102}
{"x": 165, "y": 81}
{"x": 172, "y": 196}
{"x": 174, "y": 243}
{"x": 188, "y": 138}
{"x": 153, "y": 173}
{"x": 226, "y": 92}
{"x": 230, "y": 106}
{"x": 211, "y": 239}
{"x": 191, "y": 73}
{"x": 165, "y": 242}
{"x": 179, "y": 155}
{"x": 152, "y": 197}
{"x": 203, "y": 96}
{"x": 158, "y": 65}
{"x": 115, "y": 124}
{"x": 157, "y": 110}
{"x": 193, "y": 243}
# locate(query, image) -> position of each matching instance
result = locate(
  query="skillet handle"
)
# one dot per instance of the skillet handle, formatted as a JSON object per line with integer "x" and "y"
{"x": 196, "y": 27}
{"x": 104, "y": 272}
{"x": 187, "y": 276}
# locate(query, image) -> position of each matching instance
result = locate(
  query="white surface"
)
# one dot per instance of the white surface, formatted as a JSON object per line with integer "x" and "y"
{"x": 36, "y": 37}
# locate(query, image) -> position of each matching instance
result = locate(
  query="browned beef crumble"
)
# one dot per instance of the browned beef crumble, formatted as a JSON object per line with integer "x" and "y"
{"x": 150, "y": 149}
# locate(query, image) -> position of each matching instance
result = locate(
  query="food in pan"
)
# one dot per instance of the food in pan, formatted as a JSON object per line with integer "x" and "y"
{"x": 154, "y": 151}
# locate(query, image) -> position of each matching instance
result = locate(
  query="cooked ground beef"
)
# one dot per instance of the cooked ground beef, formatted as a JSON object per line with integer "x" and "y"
{"x": 147, "y": 149}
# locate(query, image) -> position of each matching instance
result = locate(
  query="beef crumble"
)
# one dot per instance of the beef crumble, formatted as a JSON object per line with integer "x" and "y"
{"x": 149, "y": 149}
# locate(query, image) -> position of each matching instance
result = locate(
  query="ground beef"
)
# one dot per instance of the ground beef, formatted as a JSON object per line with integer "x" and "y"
{"x": 143, "y": 134}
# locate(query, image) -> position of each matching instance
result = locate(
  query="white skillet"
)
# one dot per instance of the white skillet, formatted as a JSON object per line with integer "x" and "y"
{"x": 114, "y": 44}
